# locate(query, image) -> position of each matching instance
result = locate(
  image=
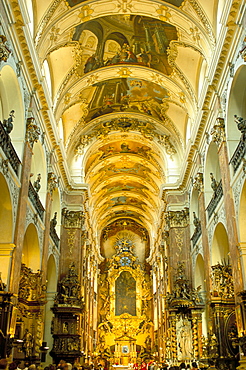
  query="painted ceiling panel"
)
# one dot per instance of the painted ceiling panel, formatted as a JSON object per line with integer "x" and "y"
{"x": 125, "y": 77}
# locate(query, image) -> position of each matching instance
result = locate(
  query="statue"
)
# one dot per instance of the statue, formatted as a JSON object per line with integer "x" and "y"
{"x": 8, "y": 123}
{"x": 53, "y": 222}
{"x": 184, "y": 339}
{"x": 214, "y": 183}
{"x": 196, "y": 221}
{"x": 241, "y": 124}
{"x": 27, "y": 343}
{"x": 37, "y": 184}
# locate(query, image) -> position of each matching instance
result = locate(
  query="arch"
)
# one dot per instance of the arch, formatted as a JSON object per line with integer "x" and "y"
{"x": 6, "y": 216}
{"x": 11, "y": 99}
{"x": 6, "y": 228}
{"x": 199, "y": 273}
{"x": 39, "y": 167}
{"x": 220, "y": 245}
{"x": 31, "y": 249}
{"x": 51, "y": 275}
{"x": 236, "y": 106}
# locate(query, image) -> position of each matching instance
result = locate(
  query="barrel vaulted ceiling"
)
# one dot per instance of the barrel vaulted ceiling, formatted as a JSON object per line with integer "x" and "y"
{"x": 125, "y": 78}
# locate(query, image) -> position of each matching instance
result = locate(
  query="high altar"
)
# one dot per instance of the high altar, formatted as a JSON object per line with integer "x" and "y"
{"x": 125, "y": 323}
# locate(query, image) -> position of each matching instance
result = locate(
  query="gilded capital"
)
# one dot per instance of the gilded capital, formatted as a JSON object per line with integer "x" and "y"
{"x": 177, "y": 218}
{"x": 218, "y": 131}
{"x": 72, "y": 219}
{"x": 52, "y": 182}
{"x": 198, "y": 183}
{"x": 32, "y": 131}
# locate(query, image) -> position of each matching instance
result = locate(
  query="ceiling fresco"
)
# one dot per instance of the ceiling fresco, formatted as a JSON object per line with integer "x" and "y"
{"x": 124, "y": 95}
{"x": 125, "y": 78}
{"x": 124, "y": 40}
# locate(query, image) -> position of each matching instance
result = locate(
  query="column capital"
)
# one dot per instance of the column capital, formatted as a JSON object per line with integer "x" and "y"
{"x": 72, "y": 219}
{"x": 177, "y": 218}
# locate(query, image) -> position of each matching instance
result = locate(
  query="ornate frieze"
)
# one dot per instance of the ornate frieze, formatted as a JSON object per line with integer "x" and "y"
{"x": 218, "y": 131}
{"x": 72, "y": 219}
{"x": 177, "y": 218}
{"x": 4, "y": 50}
{"x": 32, "y": 131}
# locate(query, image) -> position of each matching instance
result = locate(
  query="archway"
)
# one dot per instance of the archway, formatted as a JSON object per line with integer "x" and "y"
{"x": 220, "y": 245}
{"x": 6, "y": 229}
{"x": 31, "y": 250}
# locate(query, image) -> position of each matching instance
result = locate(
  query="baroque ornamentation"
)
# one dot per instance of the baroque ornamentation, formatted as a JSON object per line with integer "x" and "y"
{"x": 182, "y": 293}
{"x": 222, "y": 282}
{"x": 125, "y": 124}
{"x": 69, "y": 289}
{"x": 177, "y": 218}
{"x": 198, "y": 183}
{"x": 32, "y": 131}
{"x": 218, "y": 131}
{"x": 31, "y": 287}
{"x": 72, "y": 219}
{"x": 4, "y": 50}
{"x": 52, "y": 182}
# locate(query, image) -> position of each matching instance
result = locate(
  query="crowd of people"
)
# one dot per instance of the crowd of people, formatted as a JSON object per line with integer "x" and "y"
{"x": 63, "y": 365}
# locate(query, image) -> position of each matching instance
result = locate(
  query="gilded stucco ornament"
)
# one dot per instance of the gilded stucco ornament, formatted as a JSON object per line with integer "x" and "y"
{"x": 4, "y": 50}
{"x": 72, "y": 219}
{"x": 198, "y": 183}
{"x": 165, "y": 141}
{"x": 125, "y": 124}
{"x": 177, "y": 218}
{"x": 222, "y": 281}
{"x": 218, "y": 131}
{"x": 32, "y": 131}
{"x": 52, "y": 182}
